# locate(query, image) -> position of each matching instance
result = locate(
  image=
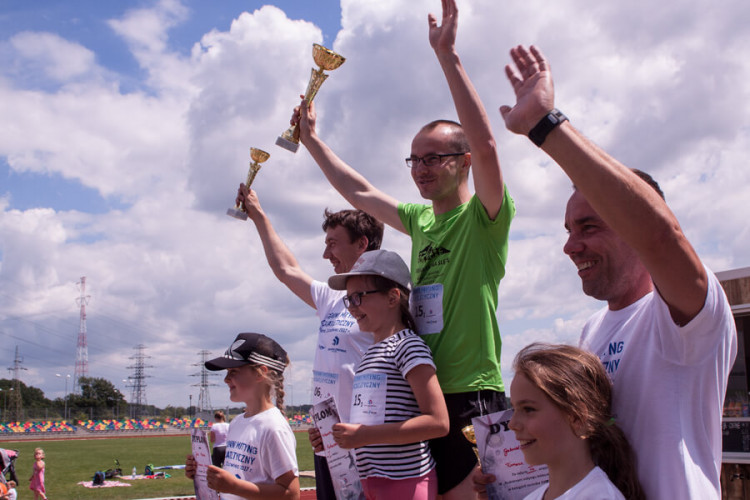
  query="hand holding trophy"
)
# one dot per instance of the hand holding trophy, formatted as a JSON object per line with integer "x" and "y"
{"x": 258, "y": 156}
{"x": 326, "y": 59}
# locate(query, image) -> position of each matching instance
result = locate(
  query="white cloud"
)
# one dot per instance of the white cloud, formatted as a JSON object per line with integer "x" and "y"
{"x": 56, "y": 57}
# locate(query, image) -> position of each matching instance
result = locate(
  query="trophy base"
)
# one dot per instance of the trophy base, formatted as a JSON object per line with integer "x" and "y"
{"x": 287, "y": 144}
{"x": 237, "y": 214}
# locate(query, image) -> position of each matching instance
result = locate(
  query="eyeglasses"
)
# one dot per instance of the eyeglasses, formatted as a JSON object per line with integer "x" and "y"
{"x": 355, "y": 299}
{"x": 431, "y": 160}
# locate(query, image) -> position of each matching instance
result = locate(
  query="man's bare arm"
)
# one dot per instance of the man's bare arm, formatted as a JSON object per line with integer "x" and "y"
{"x": 488, "y": 178}
{"x": 281, "y": 260}
{"x": 624, "y": 201}
{"x": 348, "y": 182}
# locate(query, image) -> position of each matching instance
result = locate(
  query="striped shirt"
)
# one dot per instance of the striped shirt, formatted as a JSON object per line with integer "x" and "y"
{"x": 395, "y": 357}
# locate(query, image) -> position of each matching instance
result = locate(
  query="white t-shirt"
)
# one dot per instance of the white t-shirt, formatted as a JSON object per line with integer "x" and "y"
{"x": 260, "y": 448}
{"x": 220, "y": 430}
{"x": 669, "y": 386}
{"x": 340, "y": 347}
{"x": 595, "y": 486}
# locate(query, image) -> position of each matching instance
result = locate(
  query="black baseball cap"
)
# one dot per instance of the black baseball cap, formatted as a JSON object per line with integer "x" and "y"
{"x": 251, "y": 349}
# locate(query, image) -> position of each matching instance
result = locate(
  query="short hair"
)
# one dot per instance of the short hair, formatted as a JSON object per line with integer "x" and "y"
{"x": 357, "y": 224}
{"x": 647, "y": 179}
{"x": 458, "y": 140}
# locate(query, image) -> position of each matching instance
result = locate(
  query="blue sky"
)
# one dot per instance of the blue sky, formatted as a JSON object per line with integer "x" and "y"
{"x": 125, "y": 129}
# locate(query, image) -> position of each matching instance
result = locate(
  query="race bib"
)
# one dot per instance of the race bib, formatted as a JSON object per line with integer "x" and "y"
{"x": 368, "y": 398}
{"x": 324, "y": 385}
{"x": 427, "y": 308}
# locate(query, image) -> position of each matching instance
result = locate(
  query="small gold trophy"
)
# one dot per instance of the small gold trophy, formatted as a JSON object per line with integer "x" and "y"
{"x": 258, "y": 156}
{"x": 468, "y": 432}
{"x": 326, "y": 59}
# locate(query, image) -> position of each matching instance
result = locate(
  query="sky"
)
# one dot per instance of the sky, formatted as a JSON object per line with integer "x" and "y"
{"x": 125, "y": 129}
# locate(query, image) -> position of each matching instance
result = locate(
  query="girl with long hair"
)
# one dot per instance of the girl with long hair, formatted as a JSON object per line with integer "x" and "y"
{"x": 562, "y": 401}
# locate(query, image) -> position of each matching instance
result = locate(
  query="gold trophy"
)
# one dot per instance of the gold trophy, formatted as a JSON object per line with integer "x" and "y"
{"x": 468, "y": 433}
{"x": 326, "y": 59}
{"x": 258, "y": 156}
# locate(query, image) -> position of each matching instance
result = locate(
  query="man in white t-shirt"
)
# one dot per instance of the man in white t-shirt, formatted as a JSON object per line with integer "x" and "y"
{"x": 349, "y": 233}
{"x": 667, "y": 336}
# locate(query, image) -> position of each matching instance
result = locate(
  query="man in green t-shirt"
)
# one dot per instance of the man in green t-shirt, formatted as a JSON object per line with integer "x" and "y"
{"x": 459, "y": 249}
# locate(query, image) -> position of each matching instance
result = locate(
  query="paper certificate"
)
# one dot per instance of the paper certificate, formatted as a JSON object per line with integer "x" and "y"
{"x": 341, "y": 463}
{"x": 203, "y": 460}
{"x": 501, "y": 455}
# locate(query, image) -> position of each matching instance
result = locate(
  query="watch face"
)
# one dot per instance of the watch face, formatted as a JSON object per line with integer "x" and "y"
{"x": 555, "y": 116}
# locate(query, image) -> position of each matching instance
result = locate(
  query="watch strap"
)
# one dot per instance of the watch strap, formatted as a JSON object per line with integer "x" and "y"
{"x": 546, "y": 125}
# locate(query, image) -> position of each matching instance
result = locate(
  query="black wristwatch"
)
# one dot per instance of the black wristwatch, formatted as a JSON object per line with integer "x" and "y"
{"x": 546, "y": 125}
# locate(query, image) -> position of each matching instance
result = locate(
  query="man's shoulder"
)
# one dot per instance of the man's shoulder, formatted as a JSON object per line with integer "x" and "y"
{"x": 414, "y": 209}
{"x": 323, "y": 295}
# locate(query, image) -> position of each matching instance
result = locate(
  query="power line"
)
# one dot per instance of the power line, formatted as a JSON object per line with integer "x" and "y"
{"x": 138, "y": 381}
{"x": 82, "y": 349}
{"x": 204, "y": 398}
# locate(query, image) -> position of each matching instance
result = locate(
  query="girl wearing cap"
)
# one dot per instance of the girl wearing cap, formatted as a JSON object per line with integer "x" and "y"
{"x": 397, "y": 404}
{"x": 260, "y": 459}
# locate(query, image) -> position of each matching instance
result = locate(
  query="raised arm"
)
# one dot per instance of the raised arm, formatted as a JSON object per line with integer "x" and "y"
{"x": 281, "y": 260}
{"x": 488, "y": 178}
{"x": 625, "y": 202}
{"x": 348, "y": 182}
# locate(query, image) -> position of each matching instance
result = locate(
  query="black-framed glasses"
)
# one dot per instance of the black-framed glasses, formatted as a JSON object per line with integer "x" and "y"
{"x": 430, "y": 160}
{"x": 355, "y": 299}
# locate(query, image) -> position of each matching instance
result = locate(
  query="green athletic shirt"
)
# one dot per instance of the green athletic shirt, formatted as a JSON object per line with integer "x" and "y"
{"x": 462, "y": 254}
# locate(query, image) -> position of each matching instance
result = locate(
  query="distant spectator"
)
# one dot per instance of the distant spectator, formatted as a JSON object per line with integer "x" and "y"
{"x": 218, "y": 437}
{"x": 11, "y": 494}
{"x": 37, "y": 476}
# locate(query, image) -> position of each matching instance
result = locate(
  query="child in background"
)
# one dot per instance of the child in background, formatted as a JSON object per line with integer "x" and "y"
{"x": 260, "y": 459}
{"x": 37, "y": 476}
{"x": 218, "y": 436}
{"x": 11, "y": 494}
{"x": 562, "y": 401}
{"x": 391, "y": 423}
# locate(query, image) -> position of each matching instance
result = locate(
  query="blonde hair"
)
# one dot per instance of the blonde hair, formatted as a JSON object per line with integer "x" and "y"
{"x": 39, "y": 450}
{"x": 275, "y": 384}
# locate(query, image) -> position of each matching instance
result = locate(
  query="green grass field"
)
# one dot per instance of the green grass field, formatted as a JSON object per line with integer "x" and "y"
{"x": 69, "y": 462}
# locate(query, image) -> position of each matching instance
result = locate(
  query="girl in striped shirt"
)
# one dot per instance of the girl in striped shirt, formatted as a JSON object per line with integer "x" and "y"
{"x": 397, "y": 404}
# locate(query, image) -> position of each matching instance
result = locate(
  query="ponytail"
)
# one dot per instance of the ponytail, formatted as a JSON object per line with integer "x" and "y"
{"x": 278, "y": 390}
{"x": 612, "y": 452}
